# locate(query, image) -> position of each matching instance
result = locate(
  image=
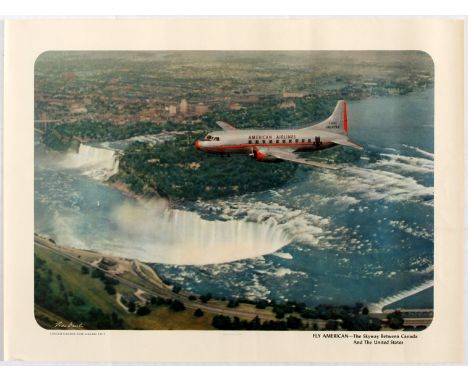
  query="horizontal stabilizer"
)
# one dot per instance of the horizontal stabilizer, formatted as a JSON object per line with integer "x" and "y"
{"x": 347, "y": 142}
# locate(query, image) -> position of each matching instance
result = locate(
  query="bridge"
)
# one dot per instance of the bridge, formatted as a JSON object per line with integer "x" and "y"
{"x": 412, "y": 318}
{"x": 381, "y": 304}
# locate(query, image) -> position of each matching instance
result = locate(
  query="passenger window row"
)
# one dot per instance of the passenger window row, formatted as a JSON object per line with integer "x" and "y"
{"x": 280, "y": 141}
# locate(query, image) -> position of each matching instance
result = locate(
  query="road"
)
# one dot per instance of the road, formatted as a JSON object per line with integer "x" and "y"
{"x": 158, "y": 288}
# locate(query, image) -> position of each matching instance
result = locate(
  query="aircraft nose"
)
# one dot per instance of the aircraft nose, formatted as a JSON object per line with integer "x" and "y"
{"x": 197, "y": 144}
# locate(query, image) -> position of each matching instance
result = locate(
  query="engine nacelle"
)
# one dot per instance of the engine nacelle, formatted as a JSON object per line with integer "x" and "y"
{"x": 263, "y": 157}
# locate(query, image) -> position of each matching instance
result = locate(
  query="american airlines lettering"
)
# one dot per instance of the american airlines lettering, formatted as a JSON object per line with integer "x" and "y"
{"x": 278, "y": 136}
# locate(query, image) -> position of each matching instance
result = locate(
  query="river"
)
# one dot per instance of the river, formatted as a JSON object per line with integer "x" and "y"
{"x": 364, "y": 233}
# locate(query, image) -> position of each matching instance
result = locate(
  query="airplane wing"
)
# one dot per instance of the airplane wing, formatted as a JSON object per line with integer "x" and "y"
{"x": 225, "y": 126}
{"x": 290, "y": 156}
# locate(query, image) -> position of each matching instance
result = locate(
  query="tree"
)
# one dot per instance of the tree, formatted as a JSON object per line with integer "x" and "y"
{"x": 255, "y": 324}
{"x": 110, "y": 289}
{"x": 237, "y": 324}
{"x": 111, "y": 281}
{"x": 98, "y": 274}
{"x": 309, "y": 313}
{"x": 331, "y": 325}
{"x": 198, "y": 313}
{"x": 143, "y": 311}
{"x": 84, "y": 270}
{"x": 131, "y": 307}
{"x": 205, "y": 297}
{"x": 279, "y": 314}
{"x": 293, "y": 323}
{"x": 375, "y": 324}
{"x": 221, "y": 322}
{"x": 300, "y": 307}
{"x": 395, "y": 320}
{"x": 177, "y": 306}
{"x": 358, "y": 307}
{"x": 78, "y": 301}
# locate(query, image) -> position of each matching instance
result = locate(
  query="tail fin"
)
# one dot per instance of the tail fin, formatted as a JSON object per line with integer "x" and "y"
{"x": 337, "y": 122}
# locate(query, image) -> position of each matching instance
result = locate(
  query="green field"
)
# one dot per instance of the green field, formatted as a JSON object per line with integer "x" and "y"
{"x": 64, "y": 293}
{"x": 79, "y": 289}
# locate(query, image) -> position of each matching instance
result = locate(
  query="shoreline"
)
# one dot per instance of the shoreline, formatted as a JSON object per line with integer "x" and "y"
{"x": 152, "y": 285}
{"x": 124, "y": 188}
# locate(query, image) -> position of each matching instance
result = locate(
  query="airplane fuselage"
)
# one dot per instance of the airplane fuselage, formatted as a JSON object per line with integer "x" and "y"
{"x": 268, "y": 145}
{"x": 248, "y": 140}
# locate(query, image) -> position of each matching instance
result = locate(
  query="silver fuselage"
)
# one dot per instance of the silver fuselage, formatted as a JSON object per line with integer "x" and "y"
{"x": 246, "y": 141}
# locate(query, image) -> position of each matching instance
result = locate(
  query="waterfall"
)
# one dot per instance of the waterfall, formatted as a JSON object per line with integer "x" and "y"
{"x": 155, "y": 233}
{"x": 381, "y": 304}
{"x": 152, "y": 231}
{"x": 95, "y": 162}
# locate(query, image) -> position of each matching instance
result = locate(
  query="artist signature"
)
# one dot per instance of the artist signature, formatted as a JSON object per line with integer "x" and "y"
{"x": 69, "y": 325}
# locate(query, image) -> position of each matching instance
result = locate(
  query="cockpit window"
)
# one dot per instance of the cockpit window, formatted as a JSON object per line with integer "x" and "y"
{"x": 211, "y": 138}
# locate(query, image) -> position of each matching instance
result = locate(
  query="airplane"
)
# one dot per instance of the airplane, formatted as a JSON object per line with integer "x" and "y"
{"x": 269, "y": 145}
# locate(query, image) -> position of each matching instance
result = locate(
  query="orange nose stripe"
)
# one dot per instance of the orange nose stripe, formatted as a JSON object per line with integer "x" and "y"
{"x": 197, "y": 145}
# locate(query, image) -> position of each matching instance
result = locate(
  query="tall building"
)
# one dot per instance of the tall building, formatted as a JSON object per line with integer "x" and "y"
{"x": 201, "y": 108}
{"x": 184, "y": 106}
{"x": 234, "y": 106}
{"x": 172, "y": 110}
{"x": 287, "y": 94}
{"x": 77, "y": 108}
{"x": 287, "y": 105}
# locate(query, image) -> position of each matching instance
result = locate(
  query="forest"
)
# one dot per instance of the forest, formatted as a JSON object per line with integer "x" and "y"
{"x": 174, "y": 169}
